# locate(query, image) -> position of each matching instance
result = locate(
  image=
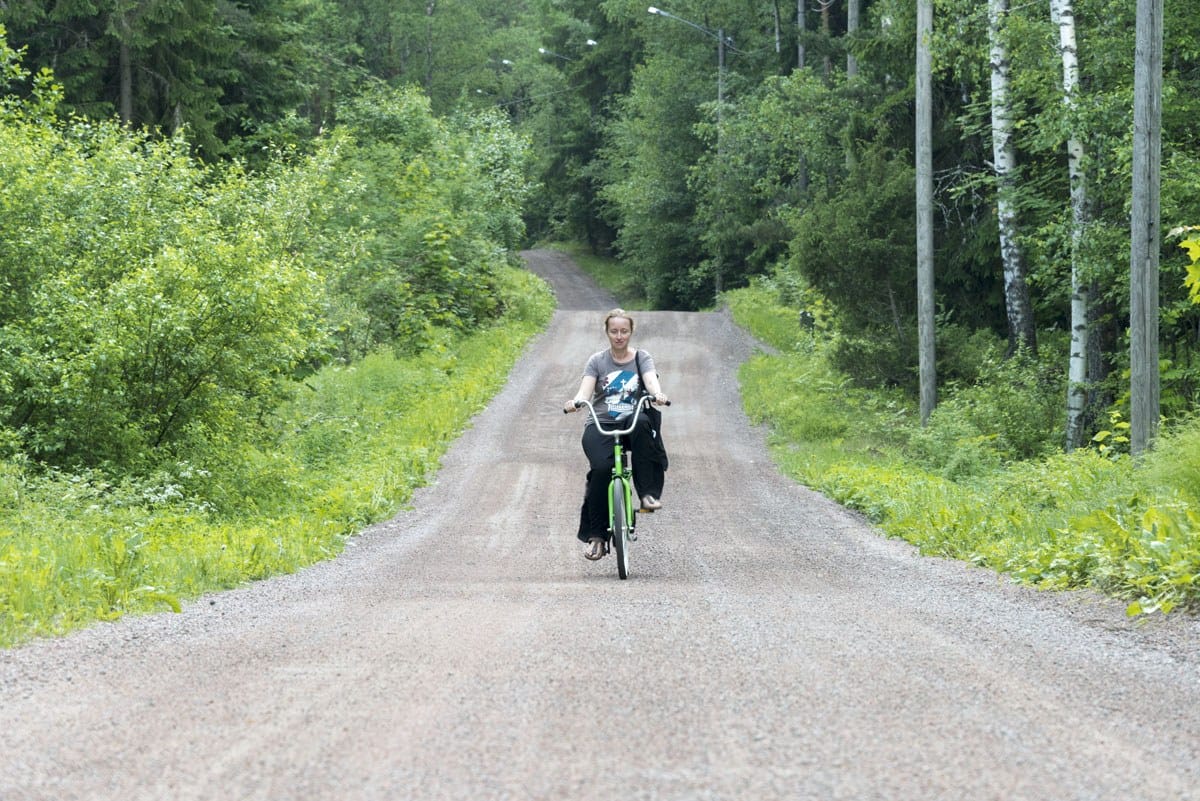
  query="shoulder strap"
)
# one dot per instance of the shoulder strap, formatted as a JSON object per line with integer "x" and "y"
{"x": 637, "y": 359}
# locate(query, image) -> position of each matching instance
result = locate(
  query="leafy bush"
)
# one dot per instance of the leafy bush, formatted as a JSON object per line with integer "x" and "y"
{"x": 79, "y": 547}
{"x": 877, "y": 357}
{"x": 153, "y": 306}
{"x": 983, "y": 481}
{"x": 151, "y": 294}
{"x": 1174, "y": 463}
{"x": 1012, "y": 412}
{"x": 438, "y": 207}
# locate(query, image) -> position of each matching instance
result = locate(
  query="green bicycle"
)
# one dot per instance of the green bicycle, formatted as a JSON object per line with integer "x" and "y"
{"x": 622, "y": 511}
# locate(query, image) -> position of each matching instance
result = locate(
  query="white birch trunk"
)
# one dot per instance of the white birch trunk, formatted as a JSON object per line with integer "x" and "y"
{"x": 1062, "y": 13}
{"x": 1004, "y": 157}
{"x": 778, "y": 30}
{"x": 826, "y": 61}
{"x": 852, "y": 13}
{"x": 801, "y": 29}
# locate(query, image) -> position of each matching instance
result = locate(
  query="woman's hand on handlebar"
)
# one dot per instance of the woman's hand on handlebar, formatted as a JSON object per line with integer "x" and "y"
{"x": 660, "y": 399}
{"x": 572, "y": 405}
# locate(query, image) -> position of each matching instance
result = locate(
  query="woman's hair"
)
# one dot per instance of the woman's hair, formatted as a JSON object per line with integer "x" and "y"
{"x": 618, "y": 313}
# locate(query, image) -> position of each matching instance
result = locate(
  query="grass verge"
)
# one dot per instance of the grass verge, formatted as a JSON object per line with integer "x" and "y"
{"x": 1087, "y": 519}
{"x": 349, "y": 451}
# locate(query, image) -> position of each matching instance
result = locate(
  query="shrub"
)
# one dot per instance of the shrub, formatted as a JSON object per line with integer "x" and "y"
{"x": 1174, "y": 463}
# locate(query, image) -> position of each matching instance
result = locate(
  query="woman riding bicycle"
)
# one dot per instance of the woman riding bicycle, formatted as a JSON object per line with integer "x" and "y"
{"x": 613, "y": 379}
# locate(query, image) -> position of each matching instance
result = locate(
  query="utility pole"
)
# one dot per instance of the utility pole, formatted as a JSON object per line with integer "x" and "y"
{"x": 926, "y": 351}
{"x": 1145, "y": 233}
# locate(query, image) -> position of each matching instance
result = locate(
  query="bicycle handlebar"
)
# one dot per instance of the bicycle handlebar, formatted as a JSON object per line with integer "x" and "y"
{"x": 642, "y": 401}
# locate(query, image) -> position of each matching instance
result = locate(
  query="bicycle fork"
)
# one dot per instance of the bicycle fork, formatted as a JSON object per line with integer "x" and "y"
{"x": 623, "y": 475}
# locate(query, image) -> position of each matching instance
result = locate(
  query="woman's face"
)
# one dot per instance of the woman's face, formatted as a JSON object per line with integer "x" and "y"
{"x": 619, "y": 331}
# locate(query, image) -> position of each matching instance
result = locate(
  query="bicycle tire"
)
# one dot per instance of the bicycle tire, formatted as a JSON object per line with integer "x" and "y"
{"x": 620, "y": 533}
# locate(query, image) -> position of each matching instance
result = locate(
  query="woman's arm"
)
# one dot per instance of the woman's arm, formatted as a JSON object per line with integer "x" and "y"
{"x": 653, "y": 387}
{"x": 587, "y": 387}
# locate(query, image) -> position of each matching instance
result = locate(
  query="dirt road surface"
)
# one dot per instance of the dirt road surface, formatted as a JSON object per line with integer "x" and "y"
{"x": 768, "y": 645}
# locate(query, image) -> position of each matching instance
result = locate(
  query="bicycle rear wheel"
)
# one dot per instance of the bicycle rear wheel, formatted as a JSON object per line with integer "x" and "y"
{"x": 621, "y": 523}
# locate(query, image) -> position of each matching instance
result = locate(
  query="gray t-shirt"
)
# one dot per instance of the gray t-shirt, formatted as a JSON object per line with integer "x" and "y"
{"x": 617, "y": 385}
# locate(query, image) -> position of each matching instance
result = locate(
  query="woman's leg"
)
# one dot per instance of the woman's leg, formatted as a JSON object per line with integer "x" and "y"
{"x": 648, "y": 474}
{"x": 593, "y": 515}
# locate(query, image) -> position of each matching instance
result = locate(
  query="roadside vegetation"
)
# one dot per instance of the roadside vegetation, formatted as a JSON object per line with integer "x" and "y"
{"x": 346, "y": 451}
{"x": 986, "y": 480}
{"x": 210, "y": 374}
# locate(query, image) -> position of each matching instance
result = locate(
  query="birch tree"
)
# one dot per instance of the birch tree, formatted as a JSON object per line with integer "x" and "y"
{"x": 801, "y": 30}
{"x": 852, "y": 14}
{"x": 1062, "y": 13}
{"x": 1021, "y": 330}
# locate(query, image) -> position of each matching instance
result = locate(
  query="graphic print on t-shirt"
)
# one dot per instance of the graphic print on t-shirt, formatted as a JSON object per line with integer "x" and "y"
{"x": 620, "y": 391}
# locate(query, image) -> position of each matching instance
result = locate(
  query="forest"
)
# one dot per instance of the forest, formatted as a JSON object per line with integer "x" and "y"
{"x": 209, "y": 207}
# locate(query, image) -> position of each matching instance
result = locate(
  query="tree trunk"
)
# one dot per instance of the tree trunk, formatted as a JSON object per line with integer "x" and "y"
{"x": 1062, "y": 12}
{"x": 801, "y": 30}
{"x": 924, "y": 169}
{"x": 1144, "y": 227}
{"x": 125, "y": 72}
{"x": 430, "y": 7}
{"x": 778, "y": 28}
{"x": 1021, "y": 329}
{"x": 852, "y": 13}
{"x": 1102, "y": 343}
{"x": 826, "y": 62}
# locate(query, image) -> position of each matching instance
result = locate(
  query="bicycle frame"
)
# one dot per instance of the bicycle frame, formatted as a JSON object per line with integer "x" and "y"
{"x": 622, "y": 464}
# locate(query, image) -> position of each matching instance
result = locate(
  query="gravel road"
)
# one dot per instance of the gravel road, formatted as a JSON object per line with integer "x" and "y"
{"x": 768, "y": 644}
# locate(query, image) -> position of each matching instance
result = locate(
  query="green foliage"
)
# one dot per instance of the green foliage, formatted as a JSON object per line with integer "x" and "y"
{"x": 1192, "y": 245}
{"x": 1012, "y": 412}
{"x": 784, "y": 311}
{"x": 977, "y": 484}
{"x": 79, "y": 547}
{"x": 152, "y": 305}
{"x": 645, "y": 173}
{"x": 1173, "y": 465}
{"x": 438, "y": 205}
{"x": 145, "y": 294}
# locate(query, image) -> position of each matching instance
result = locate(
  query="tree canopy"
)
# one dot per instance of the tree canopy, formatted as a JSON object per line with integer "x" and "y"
{"x": 790, "y": 160}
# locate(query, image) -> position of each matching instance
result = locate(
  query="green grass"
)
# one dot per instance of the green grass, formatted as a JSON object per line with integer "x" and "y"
{"x": 351, "y": 448}
{"x": 1090, "y": 518}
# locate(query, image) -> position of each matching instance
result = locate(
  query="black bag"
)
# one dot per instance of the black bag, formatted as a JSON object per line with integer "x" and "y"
{"x": 652, "y": 414}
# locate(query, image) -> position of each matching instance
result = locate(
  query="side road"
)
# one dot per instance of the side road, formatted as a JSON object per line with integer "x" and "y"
{"x": 768, "y": 645}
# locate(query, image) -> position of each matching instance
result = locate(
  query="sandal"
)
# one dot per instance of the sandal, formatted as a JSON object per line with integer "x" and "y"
{"x": 597, "y": 549}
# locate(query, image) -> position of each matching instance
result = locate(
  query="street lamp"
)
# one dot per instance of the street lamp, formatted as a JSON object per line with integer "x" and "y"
{"x": 547, "y": 52}
{"x": 722, "y": 42}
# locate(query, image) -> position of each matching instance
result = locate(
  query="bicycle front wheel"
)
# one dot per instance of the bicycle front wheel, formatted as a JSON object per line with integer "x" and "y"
{"x": 620, "y": 528}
